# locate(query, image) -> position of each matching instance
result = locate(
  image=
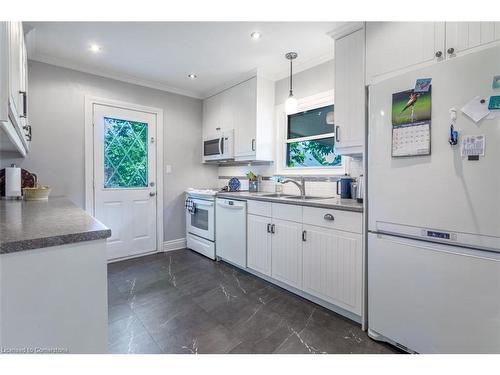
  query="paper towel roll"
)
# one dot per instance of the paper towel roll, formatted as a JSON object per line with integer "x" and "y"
{"x": 12, "y": 182}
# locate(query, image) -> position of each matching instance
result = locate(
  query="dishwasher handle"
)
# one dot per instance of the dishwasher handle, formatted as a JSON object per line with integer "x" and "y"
{"x": 232, "y": 206}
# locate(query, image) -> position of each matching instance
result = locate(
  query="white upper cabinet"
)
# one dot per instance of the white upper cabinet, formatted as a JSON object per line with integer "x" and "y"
{"x": 15, "y": 63}
{"x": 248, "y": 109}
{"x": 350, "y": 94}
{"x": 212, "y": 115}
{"x": 13, "y": 84}
{"x": 244, "y": 117}
{"x": 396, "y": 47}
{"x": 461, "y": 37}
{"x": 393, "y": 47}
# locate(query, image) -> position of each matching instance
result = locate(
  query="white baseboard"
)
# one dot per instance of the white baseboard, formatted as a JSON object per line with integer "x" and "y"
{"x": 177, "y": 244}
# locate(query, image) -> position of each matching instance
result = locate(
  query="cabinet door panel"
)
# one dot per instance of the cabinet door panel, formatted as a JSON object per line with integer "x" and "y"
{"x": 243, "y": 104}
{"x": 15, "y": 65}
{"x": 332, "y": 262}
{"x": 4, "y": 71}
{"x": 259, "y": 244}
{"x": 211, "y": 115}
{"x": 394, "y": 46}
{"x": 463, "y": 36}
{"x": 287, "y": 252}
{"x": 350, "y": 92}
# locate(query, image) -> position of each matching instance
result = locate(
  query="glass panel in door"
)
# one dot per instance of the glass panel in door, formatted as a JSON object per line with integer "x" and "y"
{"x": 125, "y": 154}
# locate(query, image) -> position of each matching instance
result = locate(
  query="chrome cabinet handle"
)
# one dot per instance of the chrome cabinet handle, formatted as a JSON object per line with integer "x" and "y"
{"x": 328, "y": 217}
{"x": 451, "y": 50}
{"x": 253, "y": 144}
{"x": 304, "y": 235}
{"x": 272, "y": 228}
{"x": 25, "y": 104}
{"x": 268, "y": 228}
{"x": 438, "y": 54}
{"x": 337, "y": 133}
{"x": 152, "y": 194}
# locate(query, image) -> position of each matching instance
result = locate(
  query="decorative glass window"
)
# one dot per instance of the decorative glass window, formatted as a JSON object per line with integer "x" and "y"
{"x": 310, "y": 139}
{"x": 125, "y": 154}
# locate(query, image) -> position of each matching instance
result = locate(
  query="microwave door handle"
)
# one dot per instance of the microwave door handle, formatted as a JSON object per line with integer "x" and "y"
{"x": 220, "y": 145}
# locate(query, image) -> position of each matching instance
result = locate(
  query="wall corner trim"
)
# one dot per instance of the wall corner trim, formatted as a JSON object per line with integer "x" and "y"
{"x": 177, "y": 244}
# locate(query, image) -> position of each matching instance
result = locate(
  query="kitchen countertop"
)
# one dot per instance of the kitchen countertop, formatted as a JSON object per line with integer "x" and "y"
{"x": 26, "y": 225}
{"x": 333, "y": 203}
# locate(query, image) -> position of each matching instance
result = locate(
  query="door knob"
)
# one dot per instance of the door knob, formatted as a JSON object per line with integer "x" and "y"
{"x": 152, "y": 194}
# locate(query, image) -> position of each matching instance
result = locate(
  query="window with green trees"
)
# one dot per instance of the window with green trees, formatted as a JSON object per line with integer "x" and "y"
{"x": 311, "y": 139}
{"x": 125, "y": 154}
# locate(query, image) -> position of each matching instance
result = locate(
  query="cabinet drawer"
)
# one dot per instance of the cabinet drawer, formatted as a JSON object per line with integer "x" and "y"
{"x": 287, "y": 212}
{"x": 259, "y": 208}
{"x": 342, "y": 220}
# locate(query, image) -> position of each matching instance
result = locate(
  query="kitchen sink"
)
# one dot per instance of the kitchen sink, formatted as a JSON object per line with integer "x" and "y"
{"x": 307, "y": 197}
{"x": 277, "y": 195}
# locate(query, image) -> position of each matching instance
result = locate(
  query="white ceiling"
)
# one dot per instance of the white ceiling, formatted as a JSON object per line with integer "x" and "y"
{"x": 162, "y": 54}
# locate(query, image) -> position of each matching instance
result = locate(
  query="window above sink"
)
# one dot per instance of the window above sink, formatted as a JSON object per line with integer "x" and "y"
{"x": 306, "y": 139}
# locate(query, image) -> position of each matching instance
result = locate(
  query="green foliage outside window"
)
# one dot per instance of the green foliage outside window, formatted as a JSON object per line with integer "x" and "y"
{"x": 316, "y": 148}
{"x": 314, "y": 153}
{"x": 125, "y": 154}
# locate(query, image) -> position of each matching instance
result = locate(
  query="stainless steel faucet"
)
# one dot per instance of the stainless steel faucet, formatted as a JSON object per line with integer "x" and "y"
{"x": 301, "y": 185}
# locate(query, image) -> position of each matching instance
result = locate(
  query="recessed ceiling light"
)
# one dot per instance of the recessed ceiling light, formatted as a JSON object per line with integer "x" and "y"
{"x": 192, "y": 76}
{"x": 255, "y": 35}
{"x": 95, "y": 48}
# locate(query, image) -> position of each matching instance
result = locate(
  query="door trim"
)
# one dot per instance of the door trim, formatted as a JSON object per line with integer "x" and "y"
{"x": 89, "y": 156}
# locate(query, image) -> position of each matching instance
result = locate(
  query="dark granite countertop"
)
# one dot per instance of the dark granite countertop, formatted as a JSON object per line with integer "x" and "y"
{"x": 333, "y": 203}
{"x": 26, "y": 225}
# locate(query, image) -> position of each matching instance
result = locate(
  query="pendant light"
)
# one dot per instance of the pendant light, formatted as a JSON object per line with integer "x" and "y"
{"x": 291, "y": 102}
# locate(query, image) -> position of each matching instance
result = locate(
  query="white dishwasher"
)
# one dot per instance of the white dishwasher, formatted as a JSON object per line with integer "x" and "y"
{"x": 231, "y": 231}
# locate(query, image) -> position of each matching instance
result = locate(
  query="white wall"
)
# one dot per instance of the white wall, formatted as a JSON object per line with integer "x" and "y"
{"x": 56, "y": 109}
{"x": 319, "y": 78}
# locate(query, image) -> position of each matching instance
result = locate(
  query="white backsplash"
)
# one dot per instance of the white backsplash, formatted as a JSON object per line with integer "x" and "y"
{"x": 318, "y": 188}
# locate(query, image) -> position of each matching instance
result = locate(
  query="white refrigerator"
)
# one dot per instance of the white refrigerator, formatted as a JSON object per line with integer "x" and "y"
{"x": 434, "y": 220}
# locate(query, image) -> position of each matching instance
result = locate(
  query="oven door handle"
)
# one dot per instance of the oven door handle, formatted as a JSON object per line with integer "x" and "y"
{"x": 203, "y": 203}
{"x": 220, "y": 145}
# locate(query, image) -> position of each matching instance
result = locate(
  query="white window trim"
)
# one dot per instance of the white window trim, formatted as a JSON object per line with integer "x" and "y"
{"x": 310, "y": 102}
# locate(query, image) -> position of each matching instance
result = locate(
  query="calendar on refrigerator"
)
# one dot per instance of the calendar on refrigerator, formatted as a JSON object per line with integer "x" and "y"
{"x": 411, "y": 123}
{"x": 411, "y": 139}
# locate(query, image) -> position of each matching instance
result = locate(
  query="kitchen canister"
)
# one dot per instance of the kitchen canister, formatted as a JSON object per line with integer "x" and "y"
{"x": 344, "y": 187}
{"x": 13, "y": 182}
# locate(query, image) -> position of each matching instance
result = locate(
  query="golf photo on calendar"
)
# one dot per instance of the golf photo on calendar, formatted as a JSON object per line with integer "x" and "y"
{"x": 409, "y": 107}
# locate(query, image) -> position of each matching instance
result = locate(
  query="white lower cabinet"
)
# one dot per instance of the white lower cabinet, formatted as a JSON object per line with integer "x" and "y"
{"x": 259, "y": 244}
{"x": 332, "y": 266}
{"x": 317, "y": 251}
{"x": 287, "y": 252}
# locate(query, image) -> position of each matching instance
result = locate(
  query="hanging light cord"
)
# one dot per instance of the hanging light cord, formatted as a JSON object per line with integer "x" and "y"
{"x": 291, "y": 91}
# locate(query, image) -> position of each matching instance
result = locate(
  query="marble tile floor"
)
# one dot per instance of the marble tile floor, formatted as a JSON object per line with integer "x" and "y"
{"x": 182, "y": 302}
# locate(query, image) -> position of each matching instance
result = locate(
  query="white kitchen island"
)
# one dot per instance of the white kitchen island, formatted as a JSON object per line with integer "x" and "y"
{"x": 53, "y": 279}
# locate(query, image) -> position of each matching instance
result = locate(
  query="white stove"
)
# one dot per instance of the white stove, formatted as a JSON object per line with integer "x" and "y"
{"x": 200, "y": 224}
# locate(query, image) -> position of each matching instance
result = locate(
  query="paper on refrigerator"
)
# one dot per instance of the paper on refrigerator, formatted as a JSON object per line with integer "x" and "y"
{"x": 476, "y": 109}
{"x": 472, "y": 145}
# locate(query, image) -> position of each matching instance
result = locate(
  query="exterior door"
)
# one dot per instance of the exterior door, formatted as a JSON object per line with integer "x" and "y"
{"x": 125, "y": 178}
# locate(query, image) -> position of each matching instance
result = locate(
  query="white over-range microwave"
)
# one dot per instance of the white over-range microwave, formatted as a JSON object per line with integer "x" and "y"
{"x": 219, "y": 147}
